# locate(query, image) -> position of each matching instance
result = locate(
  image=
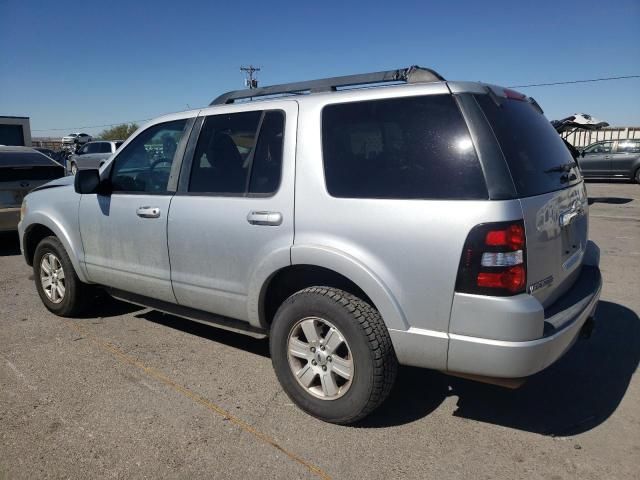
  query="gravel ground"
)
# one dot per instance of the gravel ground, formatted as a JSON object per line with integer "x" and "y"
{"x": 132, "y": 393}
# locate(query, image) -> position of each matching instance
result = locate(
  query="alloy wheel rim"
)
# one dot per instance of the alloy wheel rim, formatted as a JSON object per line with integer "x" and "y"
{"x": 320, "y": 358}
{"x": 52, "y": 278}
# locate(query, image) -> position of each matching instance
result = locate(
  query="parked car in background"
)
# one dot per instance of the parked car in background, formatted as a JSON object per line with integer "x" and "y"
{"x": 92, "y": 155}
{"x": 21, "y": 170}
{"x": 435, "y": 224}
{"x": 612, "y": 159}
{"x": 47, "y": 151}
{"x": 76, "y": 139}
{"x": 57, "y": 156}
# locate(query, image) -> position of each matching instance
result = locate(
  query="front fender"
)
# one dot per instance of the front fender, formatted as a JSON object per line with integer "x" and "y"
{"x": 348, "y": 266}
{"x": 65, "y": 228}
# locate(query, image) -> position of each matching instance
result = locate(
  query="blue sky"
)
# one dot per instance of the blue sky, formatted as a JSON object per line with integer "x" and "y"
{"x": 74, "y": 64}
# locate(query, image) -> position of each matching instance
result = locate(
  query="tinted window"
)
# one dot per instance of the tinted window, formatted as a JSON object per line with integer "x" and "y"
{"x": 105, "y": 147}
{"x": 221, "y": 163}
{"x": 10, "y": 157}
{"x": 628, "y": 146}
{"x": 267, "y": 159}
{"x": 118, "y": 144}
{"x": 145, "y": 164}
{"x": 93, "y": 148}
{"x": 603, "y": 147}
{"x": 416, "y": 147}
{"x": 534, "y": 151}
{"x": 84, "y": 149}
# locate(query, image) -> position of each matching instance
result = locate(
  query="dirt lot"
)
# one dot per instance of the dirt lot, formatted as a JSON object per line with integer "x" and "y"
{"x": 132, "y": 393}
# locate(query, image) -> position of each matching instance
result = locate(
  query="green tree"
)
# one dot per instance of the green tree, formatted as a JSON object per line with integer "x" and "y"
{"x": 119, "y": 132}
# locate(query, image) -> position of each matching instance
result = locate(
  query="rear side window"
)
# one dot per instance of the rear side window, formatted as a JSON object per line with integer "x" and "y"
{"x": 537, "y": 157}
{"x": 628, "y": 146}
{"x": 401, "y": 148}
{"x": 233, "y": 159}
{"x": 105, "y": 147}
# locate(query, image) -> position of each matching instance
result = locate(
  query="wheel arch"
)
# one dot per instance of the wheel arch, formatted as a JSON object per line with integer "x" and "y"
{"x": 42, "y": 226}
{"x": 320, "y": 266}
{"x": 635, "y": 169}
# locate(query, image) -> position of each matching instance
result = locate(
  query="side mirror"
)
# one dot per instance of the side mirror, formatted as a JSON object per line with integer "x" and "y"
{"x": 582, "y": 153}
{"x": 87, "y": 181}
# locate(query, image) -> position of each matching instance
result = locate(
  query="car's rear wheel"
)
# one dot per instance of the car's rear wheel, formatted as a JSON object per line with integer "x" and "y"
{"x": 59, "y": 287}
{"x": 637, "y": 176}
{"x": 332, "y": 354}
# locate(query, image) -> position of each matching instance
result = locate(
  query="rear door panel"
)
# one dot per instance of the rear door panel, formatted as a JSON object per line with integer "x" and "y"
{"x": 215, "y": 247}
{"x": 624, "y": 158}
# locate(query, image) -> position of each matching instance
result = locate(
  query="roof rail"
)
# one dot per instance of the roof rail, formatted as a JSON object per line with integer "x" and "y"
{"x": 411, "y": 74}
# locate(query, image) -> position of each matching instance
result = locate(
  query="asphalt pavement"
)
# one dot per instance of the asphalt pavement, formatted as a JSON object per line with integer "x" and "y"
{"x": 132, "y": 393}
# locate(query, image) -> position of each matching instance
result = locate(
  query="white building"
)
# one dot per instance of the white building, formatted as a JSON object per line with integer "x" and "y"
{"x": 15, "y": 131}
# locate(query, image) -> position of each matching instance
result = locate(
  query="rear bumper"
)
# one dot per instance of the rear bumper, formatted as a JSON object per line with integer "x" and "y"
{"x": 561, "y": 324}
{"x": 9, "y": 218}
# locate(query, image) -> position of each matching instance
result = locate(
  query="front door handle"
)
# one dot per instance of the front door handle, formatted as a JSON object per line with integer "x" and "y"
{"x": 265, "y": 218}
{"x": 148, "y": 212}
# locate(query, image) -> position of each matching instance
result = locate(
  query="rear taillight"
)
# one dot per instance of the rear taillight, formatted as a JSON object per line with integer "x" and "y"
{"x": 494, "y": 260}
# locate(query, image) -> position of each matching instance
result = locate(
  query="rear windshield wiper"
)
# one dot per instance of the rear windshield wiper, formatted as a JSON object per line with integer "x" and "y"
{"x": 565, "y": 167}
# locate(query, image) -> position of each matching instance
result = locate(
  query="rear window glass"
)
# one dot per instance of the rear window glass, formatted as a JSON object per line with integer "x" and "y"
{"x": 24, "y": 158}
{"x": 534, "y": 151}
{"x": 404, "y": 148}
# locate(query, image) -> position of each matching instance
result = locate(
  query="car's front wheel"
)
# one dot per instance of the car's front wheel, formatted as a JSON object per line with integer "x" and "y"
{"x": 59, "y": 287}
{"x": 332, "y": 354}
{"x": 74, "y": 168}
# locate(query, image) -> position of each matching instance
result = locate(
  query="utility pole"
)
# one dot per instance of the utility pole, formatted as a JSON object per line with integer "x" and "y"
{"x": 249, "y": 71}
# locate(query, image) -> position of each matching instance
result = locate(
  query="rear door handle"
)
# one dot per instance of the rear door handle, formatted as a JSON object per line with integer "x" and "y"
{"x": 265, "y": 218}
{"x": 570, "y": 215}
{"x": 148, "y": 212}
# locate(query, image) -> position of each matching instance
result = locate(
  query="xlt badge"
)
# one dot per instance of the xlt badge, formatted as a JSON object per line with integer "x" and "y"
{"x": 541, "y": 284}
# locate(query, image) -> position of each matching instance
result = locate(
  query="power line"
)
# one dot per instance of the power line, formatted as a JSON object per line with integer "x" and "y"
{"x": 87, "y": 127}
{"x": 568, "y": 82}
{"x": 575, "y": 81}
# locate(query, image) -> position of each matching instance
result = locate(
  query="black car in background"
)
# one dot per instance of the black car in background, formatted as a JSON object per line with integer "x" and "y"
{"x": 21, "y": 170}
{"x": 611, "y": 159}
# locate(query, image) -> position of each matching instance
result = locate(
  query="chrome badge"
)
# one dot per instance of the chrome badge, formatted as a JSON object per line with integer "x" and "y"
{"x": 541, "y": 284}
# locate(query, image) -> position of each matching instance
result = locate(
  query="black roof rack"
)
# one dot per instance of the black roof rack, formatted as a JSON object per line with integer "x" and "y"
{"x": 411, "y": 74}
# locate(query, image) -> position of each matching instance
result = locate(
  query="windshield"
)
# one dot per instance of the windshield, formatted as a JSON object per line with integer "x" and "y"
{"x": 537, "y": 157}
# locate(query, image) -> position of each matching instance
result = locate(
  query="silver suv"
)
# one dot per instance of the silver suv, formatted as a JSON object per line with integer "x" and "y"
{"x": 93, "y": 155}
{"x": 418, "y": 222}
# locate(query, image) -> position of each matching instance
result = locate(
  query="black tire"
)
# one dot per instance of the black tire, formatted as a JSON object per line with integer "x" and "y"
{"x": 73, "y": 168}
{"x": 374, "y": 360}
{"x": 637, "y": 176}
{"x": 76, "y": 296}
